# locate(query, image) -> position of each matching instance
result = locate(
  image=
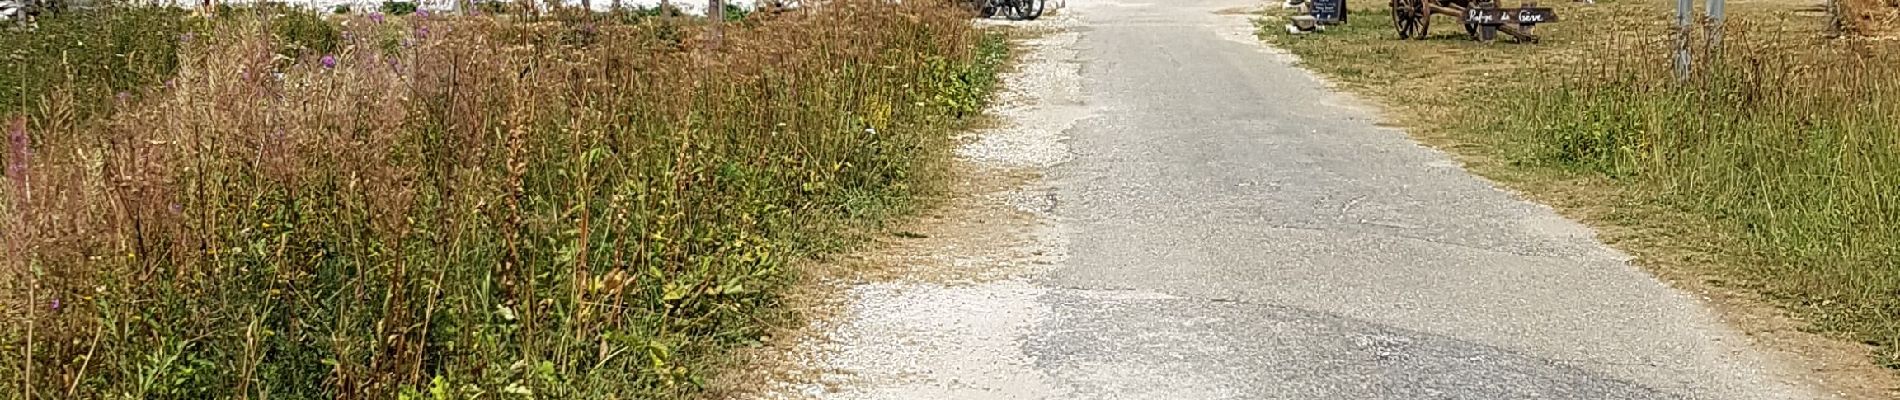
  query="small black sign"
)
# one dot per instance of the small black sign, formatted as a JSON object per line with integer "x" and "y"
{"x": 1328, "y": 11}
{"x": 1502, "y": 16}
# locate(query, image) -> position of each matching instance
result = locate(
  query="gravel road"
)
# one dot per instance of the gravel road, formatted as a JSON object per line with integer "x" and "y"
{"x": 1187, "y": 215}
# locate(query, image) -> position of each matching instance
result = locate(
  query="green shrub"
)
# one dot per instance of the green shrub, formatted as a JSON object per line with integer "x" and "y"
{"x": 91, "y": 56}
{"x": 734, "y": 12}
{"x": 399, "y": 7}
{"x": 491, "y": 7}
{"x": 305, "y": 32}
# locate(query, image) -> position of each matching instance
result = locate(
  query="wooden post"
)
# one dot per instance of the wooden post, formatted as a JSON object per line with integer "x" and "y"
{"x": 1526, "y": 30}
{"x": 1487, "y": 32}
{"x": 1835, "y": 27}
{"x": 716, "y": 11}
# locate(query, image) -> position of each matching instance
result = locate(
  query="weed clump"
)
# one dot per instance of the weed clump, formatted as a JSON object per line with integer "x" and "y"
{"x": 454, "y": 207}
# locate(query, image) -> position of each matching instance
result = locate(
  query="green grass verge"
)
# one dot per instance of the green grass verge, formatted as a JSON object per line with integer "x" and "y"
{"x": 1773, "y": 169}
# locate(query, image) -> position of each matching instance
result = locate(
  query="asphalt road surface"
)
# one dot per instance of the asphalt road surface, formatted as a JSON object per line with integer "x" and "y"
{"x": 1236, "y": 230}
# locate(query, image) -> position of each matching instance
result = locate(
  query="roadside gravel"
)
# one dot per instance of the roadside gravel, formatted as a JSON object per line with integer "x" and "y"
{"x": 942, "y": 314}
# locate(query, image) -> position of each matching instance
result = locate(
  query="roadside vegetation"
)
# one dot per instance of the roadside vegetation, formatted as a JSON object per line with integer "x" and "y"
{"x": 274, "y": 203}
{"x": 1772, "y": 169}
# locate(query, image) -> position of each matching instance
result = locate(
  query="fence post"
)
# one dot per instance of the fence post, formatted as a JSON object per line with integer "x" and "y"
{"x": 1834, "y": 20}
{"x": 716, "y": 11}
{"x": 1487, "y": 32}
{"x": 1529, "y": 30}
{"x": 1685, "y": 11}
{"x": 1716, "y": 11}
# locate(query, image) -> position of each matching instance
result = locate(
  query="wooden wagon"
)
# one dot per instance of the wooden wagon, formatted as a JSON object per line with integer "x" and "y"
{"x": 1482, "y": 19}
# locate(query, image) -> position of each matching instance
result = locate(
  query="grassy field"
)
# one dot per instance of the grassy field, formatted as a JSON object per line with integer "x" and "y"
{"x": 1773, "y": 170}
{"x": 278, "y": 204}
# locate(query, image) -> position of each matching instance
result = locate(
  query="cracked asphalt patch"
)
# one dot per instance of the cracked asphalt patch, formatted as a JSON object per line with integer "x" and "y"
{"x": 1225, "y": 349}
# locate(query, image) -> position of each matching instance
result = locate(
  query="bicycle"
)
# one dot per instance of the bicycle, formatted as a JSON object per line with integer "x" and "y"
{"x": 1015, "y": 10}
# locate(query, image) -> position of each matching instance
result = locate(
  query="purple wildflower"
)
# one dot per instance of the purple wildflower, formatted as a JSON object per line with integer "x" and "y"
{"x": 422, "y": 13}
{"x": 422, "y": 31}
{"x": 186, "y": 37}
{"x": 55, "y": 304}
{"x": 376, "y": 16}
{"x": 328, "y": 61}
{"x": 177, "y": 209}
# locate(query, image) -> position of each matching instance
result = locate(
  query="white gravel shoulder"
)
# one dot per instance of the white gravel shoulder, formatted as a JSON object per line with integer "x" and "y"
{"x": 922, "y": 336}
{"x": 1042, "y": 98}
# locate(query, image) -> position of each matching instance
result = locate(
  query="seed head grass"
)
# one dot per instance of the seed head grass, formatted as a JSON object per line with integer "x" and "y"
{"x": 570, "y": 205}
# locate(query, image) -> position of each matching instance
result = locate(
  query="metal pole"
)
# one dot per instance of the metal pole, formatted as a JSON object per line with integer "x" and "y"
{"x": 1715, "y": 11}
{"x": 1685, "y": 10}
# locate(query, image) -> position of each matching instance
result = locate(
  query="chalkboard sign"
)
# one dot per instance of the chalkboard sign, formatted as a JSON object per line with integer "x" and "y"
{"x": 1328, "y": 12}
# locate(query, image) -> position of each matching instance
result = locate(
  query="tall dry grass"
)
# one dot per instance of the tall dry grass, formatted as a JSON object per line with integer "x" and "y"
{"x": 1788, "y": 142}
{"x": 462, "y": 207}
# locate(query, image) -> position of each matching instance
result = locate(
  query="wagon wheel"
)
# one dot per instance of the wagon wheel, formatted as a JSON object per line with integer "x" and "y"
{"x": 1014, "y": 10}
{"x": 1029, "y": 10}
{"x": 1408, "y": 18}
